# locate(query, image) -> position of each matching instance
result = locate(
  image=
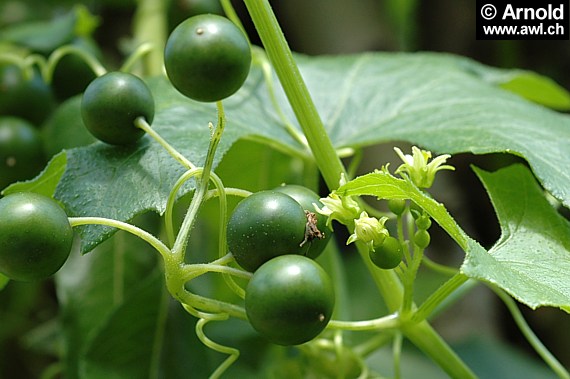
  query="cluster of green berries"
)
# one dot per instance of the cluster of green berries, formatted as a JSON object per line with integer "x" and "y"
{"x": 276, "y": 234}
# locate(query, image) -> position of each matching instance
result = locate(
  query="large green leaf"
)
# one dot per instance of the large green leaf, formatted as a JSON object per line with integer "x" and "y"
{"x": 92, "y": 288}
{"x": 531, "y": 260}
{"x": 45, "y": 35}
{"x": 117, "y": 319}
{"x": 441, "y": 102}
{"x": 125, "y": 344}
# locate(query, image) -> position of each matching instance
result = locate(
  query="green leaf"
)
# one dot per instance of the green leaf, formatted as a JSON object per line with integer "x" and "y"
{"x": 531, "y": 260}
{"x": 46, "y": 182}
{"x": 3, "y": 281}
{"x": 527, "y": 84}
{"x": 440, "y": 102}
{"x": 64, "y": 129}
{"x": 42, "y": 36}
{"x": 115, "y": 296}
{"x": 539, "y": 89}
{"x": 125, "y": 345}
{"x": 121, "y": 182}
{"x": 92, "y": 287}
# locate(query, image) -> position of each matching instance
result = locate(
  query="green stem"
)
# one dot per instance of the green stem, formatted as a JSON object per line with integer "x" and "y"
{"x": 438, "y": 267}
{"x": 386, "y": 322}
{"x": 205, "y": 304}
{"x": 397, "y": 352}
{"x": 532, "y": 339}
{"x": 231, "y": 14}
{"x": 141, "y": 51}
{"x": 424, "y": 337}
{"x": 357, "y": 156}
{"x": 197, "y": 269}
{"x": 261, "y": 59}
{"x": 409, "y": 280}
{"x": 402, "y": 238}
{"x": 440, "y": 295}
{"x": 144, "y": 235}
{"x": 222, "y": 239}
{"x": 280, "y": 55}
{"x": 181, "y": 241}
{"x": 229, "y": 191}
{"x": 141, "y": 123}
{"x": 331, "y": 169}
{"x": 150, "y": 26}
{"x": 26, "y": 64}
{"x": 59, "y": 53}
{"x": 232, "y": 353}
{"x": 168, "y": 213}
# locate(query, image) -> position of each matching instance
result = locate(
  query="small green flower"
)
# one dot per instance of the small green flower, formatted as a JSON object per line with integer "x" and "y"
{"x": 344, "y": 209}
{"x": 418, "y": 169}
{"x": 369, "y": 230}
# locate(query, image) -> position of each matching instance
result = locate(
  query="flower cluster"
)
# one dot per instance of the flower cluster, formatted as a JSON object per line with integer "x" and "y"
{"x": 344, "y": 209}
{"x": 416, "y": 166}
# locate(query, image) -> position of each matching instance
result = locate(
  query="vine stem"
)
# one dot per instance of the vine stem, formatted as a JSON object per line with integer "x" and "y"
{"x": 231, "y": 14}
{"x": 181, "y": 241}
{"x": 532, "y": 339}
{"x": 261, "y": 59}
{"x": 440, "y": 295}
{"x": 410, "y": 278}
{"x": 232, "y": 353}
{"x": 142, "y": 234}
{"x": 222, "y": 238}
{"x": 331, "y": 168}
{"x": 141, "y": 123}
{"x": 141, "y": 51}
{"x": 397, "y": 353}
{"x": 60, "y": 52}
{"x": 297, "y": 93}
{"x": 386, "y": 322}
{"x": 229, "y": 191}
{"x": 150, "y": 26}
{"x": 168, "y": 213}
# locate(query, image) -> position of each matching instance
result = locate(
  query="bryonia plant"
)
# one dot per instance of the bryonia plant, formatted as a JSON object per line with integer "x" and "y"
{"x": 280, "y": 279}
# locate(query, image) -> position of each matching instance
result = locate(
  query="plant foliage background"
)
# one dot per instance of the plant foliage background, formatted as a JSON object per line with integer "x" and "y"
{"x": 442, "y": 102}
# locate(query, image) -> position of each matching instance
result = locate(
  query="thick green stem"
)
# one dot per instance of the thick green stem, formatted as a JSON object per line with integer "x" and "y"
{"x": 424, "y": 337}
{"x": 150, "y": 26}
{"x": 280, "y": 55}
{"x": 331, "y": 169}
